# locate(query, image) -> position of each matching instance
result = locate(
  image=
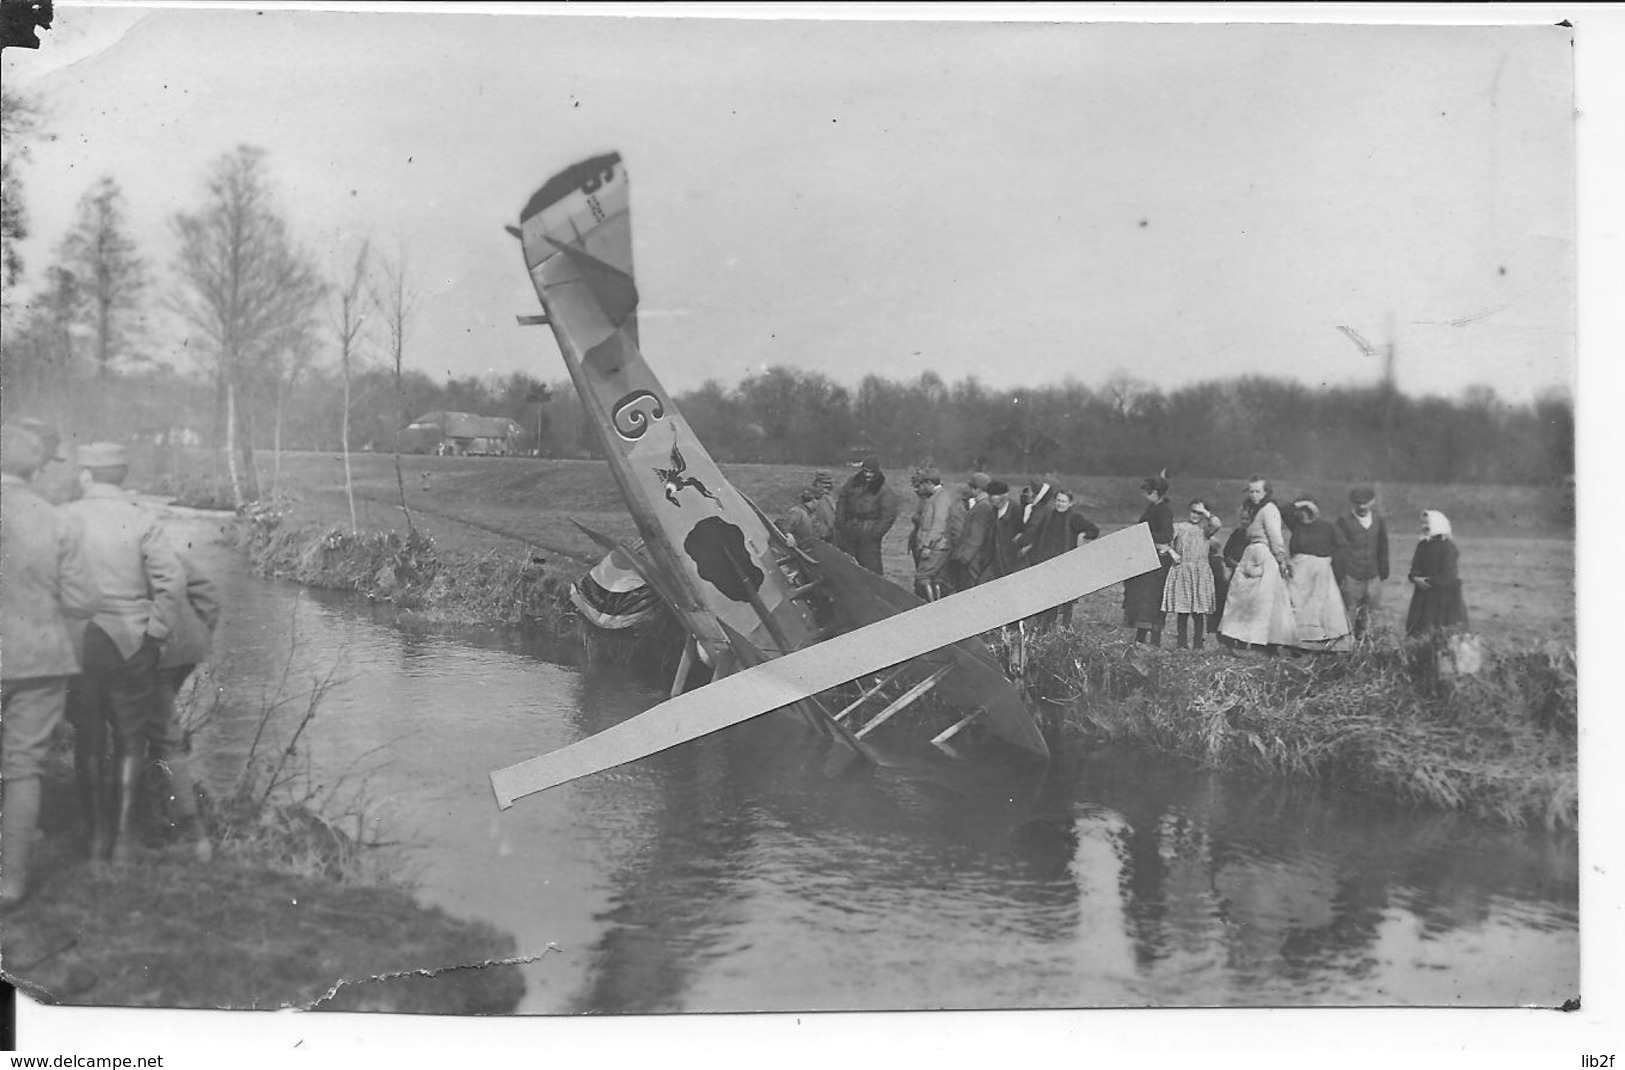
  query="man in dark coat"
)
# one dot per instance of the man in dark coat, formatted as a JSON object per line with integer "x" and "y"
{"x": 1362, "y": 564}
{"x": 974, "y": 546}
{"x": 865, "y": 511}
{"x": 1004, "y": 528}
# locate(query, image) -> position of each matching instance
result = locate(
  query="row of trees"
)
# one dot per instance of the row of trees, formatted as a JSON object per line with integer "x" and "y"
{"x": 1215, "y": 428}
{"x": 278, "y": 354}
{"x": 252, "y": 306}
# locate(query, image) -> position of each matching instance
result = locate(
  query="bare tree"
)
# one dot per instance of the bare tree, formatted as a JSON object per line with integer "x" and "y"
{"x": 111, "y": 278}
{"x": 396, "y": 300}
{"x": 293, "y": 357}
{"x": 348, "y": 319}
{"x": 242, "y": 281}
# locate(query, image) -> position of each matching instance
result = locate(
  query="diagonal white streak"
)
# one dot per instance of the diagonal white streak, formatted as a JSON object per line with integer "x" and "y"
{"x": 782, "y": 681}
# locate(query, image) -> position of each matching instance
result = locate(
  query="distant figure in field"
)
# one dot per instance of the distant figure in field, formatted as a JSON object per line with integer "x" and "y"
{"x": 1142, "y": 595}
{"x": 1060, "y": 529}
{"x": 1258, "y": 608}
{"x": 865, "y": 511}
{"x": 1436, "y": 604}
{"x": 46, "y": 586}
{"x": 1188, "y": 592}
{"x": 1323, "y": 623}
{"x": 1363, "y": 565}
{"x": 1004, "y": 529}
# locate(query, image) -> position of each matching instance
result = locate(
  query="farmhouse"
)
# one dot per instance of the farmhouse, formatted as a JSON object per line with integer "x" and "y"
{"x": 460, "y": 434}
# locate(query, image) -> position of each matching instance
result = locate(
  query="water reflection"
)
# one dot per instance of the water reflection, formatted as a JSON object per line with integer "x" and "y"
{"x": 745, "y": 872}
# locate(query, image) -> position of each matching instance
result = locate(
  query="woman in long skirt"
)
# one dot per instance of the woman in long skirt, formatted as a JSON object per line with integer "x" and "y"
{"x": 1258, "y": 608}
{"x": 1317, "y": 603}
{"x": 1142, "y": 595}
{"x": 1435, "y": 573}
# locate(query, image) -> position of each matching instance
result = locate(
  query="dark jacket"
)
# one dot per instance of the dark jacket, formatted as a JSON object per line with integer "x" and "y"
{"x": 1365, "y": 554}
{"x": 865, "y": 512}
{"x": 1002, "y": 534}
{"x": 1318, "y": 538}
{"x": 1056, "y": 533}
{"x": 975, "y": 544}
{"x": 1440, "y": 604}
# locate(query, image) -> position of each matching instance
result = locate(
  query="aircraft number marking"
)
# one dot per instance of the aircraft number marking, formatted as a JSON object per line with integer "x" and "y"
{"x": 597, "y": 180}
{"x": 633, "y": 413}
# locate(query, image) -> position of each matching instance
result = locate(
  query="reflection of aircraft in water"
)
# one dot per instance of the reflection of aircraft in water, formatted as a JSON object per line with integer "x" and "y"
{"x": 744, "y": 594}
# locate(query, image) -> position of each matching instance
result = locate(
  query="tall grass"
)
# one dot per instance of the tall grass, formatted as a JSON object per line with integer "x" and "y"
{"x": 279, "y": 811}
{"x": 1500, "y": 743}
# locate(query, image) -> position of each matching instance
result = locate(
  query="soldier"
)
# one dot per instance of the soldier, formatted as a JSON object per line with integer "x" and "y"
{"x": 933, "y": 541}
{"x": 798, "y": 522}
{"x": 865, "y": 511}
{"x": 188, "y": 647}
{"x": 823, "y": 507}
{"x": 45, "y": 581}
{"x": 143, "y": 584}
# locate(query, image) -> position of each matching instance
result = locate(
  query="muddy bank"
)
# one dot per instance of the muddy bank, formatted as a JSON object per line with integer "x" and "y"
{"x": 410, "y": 572}
{"x": 244, "y": 931}
{"x": 1499, "y": 744}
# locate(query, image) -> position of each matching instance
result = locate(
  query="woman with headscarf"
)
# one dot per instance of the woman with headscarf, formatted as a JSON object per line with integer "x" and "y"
{"x": 1437, "y": 603}
{"x": 1142, "y": 595}
{"x": 1258, "y": 607}
{"x": 1317, "y": 604}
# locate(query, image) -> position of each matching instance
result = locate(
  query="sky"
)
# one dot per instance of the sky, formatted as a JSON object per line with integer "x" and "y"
{"x": 1020, "y": 202}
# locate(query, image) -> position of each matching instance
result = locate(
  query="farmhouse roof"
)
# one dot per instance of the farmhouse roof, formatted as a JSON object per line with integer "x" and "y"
{"x": 467, "y": 425}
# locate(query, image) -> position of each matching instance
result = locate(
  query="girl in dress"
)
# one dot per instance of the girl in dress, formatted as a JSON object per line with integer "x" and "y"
{"x": 1437, "y": 603}
{"x": 1188, "y": 591}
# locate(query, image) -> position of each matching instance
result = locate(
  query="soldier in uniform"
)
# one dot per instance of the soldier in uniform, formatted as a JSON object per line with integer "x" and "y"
{"x": 45, "y": 582}
{"x": 143, "y": 584}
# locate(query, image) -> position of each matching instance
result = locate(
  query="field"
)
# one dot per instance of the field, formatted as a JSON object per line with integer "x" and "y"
{"x": 1517, "y": 546}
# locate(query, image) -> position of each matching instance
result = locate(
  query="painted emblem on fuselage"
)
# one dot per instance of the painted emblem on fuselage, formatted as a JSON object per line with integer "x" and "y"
{"x": 674, "y": 480}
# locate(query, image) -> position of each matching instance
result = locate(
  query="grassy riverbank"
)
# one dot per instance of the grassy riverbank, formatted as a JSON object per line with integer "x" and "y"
{"x": 495, "y": 545}
{"x": 1499, "y": 744}
{"x": 278, "y": 919}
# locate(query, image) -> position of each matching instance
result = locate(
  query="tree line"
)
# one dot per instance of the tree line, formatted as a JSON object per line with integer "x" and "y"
{"x": 280, "y": 354}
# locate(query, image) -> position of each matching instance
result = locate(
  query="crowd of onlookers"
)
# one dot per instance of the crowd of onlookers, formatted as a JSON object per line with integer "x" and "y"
{"x": 1282, "y": 578}
{"x": 101, "y": 620}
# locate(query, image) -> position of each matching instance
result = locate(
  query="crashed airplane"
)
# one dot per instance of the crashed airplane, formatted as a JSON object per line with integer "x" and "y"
{"x": 781, "y": 625}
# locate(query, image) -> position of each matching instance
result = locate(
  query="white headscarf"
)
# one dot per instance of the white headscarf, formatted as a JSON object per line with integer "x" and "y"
{"x": 1438, "y": 524}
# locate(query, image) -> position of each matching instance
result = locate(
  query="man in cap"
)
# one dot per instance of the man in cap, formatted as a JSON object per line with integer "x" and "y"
{"x": 822, "y": 507}
{"x": 45, "y": 581}
{"x": 143, "y": 585}
{"x": 864, "y": 512}
{"x": 798, "y": 519}
{"x": 973, "y": 547}
{"x": 932, "y": 541}
{"x": 1362, "y": 563}
{"x": 1004, "y": 531}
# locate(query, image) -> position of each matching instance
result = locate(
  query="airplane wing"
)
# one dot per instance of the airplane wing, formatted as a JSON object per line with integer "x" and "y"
{"x": 976, "y": 679}
{"x": 709, "y": 554}
{"x": 790, "y": 679}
